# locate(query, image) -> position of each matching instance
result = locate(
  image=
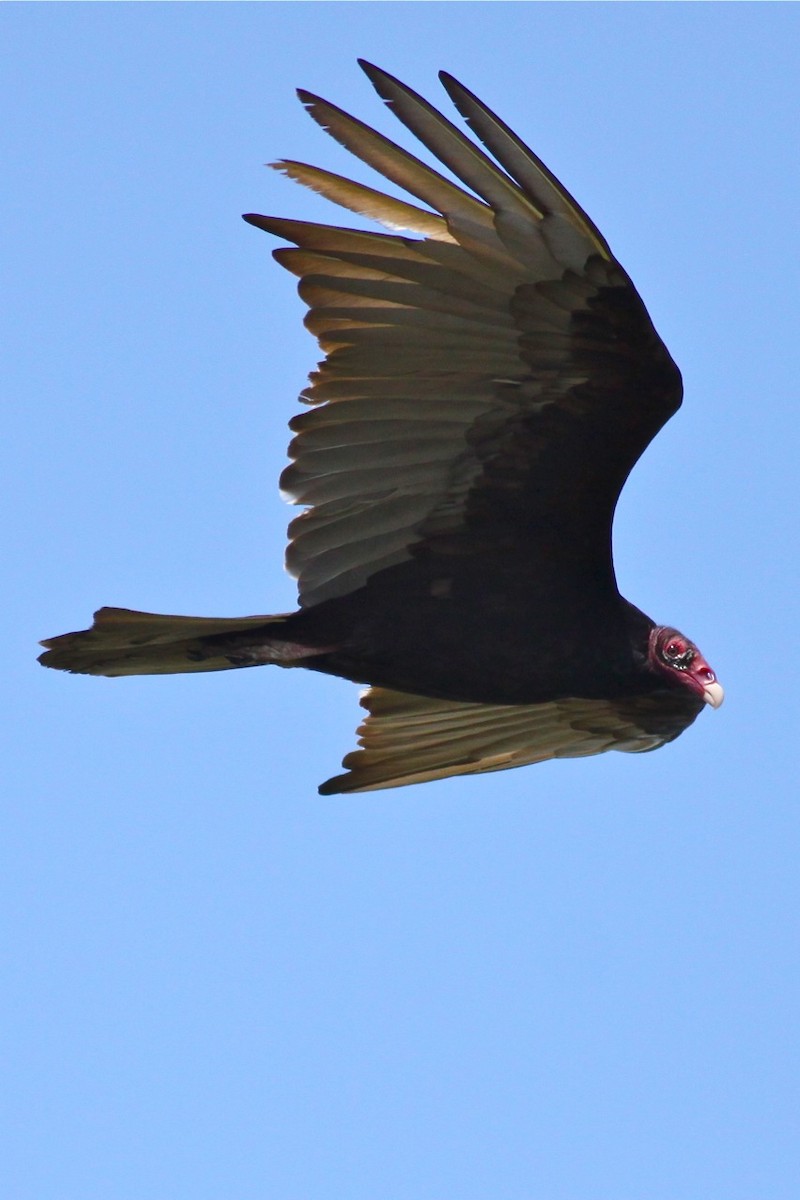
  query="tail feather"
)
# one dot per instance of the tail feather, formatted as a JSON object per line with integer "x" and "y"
{"x": 124, "y": 642}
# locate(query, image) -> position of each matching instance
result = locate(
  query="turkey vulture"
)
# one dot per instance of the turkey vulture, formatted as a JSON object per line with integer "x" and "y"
{"x": 488, "y": 384}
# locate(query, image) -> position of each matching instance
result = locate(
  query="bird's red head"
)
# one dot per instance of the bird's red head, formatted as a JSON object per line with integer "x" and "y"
{"x": 672, "y": 655}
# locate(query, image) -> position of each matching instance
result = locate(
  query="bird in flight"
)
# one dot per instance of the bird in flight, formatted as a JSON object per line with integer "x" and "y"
{"x": 490, "y": 378}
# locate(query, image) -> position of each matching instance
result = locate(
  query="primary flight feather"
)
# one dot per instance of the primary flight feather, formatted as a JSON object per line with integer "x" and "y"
{"x": 490, "y": 378}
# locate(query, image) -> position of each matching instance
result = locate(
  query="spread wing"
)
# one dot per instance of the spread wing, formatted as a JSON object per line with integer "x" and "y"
{"x": 413, "y": 739}
{"x": 489, "y": 381}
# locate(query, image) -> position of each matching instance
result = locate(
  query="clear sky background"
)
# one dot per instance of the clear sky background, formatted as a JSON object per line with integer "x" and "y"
{"x": 577, "y": 981}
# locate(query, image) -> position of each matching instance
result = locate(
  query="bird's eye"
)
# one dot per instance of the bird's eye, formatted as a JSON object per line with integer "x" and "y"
{"x": 673, "y": 649}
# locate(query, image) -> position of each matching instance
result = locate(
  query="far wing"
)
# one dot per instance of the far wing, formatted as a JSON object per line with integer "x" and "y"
{"x": 413, "y": 739}
{"x": 491, "y": 381}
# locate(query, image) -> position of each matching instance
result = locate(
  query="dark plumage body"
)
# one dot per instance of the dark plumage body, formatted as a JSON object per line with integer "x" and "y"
{"x": 432, "y": 629}
{"x": 487, "y": 388}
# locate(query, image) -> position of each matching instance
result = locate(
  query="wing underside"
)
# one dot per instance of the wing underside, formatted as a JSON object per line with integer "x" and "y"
{"x": 470, "y": 369}
{"x": 409, "y": 739}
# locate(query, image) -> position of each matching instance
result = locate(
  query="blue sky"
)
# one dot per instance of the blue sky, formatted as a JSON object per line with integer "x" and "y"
{"x": 577, "y": 981}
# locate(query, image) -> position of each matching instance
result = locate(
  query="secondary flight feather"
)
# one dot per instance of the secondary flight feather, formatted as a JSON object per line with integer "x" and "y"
{"x": 490, "y": 378}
